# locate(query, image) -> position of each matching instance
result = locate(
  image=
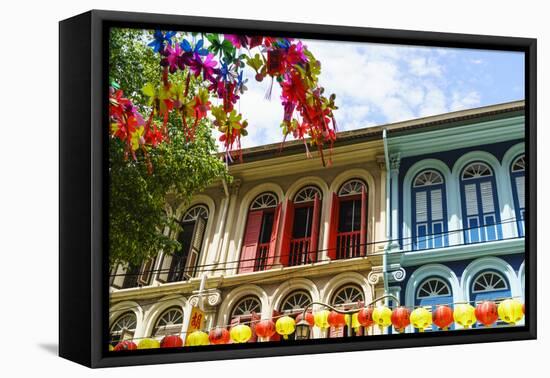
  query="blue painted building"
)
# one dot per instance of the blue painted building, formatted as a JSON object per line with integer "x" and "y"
{"x": 457, "y": 207}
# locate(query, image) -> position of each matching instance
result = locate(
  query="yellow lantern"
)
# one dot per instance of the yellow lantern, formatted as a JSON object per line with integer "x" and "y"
{"x": 197, "y": 338}
{"x": 148, "y": 344}
{"x": 321, "y": 319}
{"x": 510, "y": 311}
{"x": 285, "y": 326}
{"x": 241, "y": 333}
{"x": 382, "y": 316}
{"x": 355, "y": 321}
{"x": 464, "y": 314}
{"x": 421, "y": 318}
{"x": 111, "y": 348}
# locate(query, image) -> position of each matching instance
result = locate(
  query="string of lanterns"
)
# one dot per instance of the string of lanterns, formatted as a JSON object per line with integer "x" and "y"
{"x": 487, "y": 313}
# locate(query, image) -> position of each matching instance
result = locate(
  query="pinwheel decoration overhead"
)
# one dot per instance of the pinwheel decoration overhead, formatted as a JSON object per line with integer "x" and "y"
{"x": 195, "y": 71}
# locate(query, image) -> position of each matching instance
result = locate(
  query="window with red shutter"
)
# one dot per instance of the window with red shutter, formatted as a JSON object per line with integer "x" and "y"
{"x": 348, "y": 231}
{"x": 301, "y": 227}
{"x": 260, "y": 235}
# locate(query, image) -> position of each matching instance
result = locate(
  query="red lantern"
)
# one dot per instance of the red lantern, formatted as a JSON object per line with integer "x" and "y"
{"x": 265, "y": 328}
{"x": 336, "y": 319}
{"x": 400, "y": 318}
{"x": 125, "y": 345}
{"x": 443, "y": 317}
{"x": 219, "y": 336}
{"x": 365, "y": 316}
{"x": 487, "y": 313}
{"x": 171, "y": 341}
{"x": 309, "y": 318}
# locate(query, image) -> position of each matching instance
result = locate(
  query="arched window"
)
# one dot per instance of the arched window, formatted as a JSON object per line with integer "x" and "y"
{"x": 182, "y": 264}
{"x": 347, "y": 297}
{"x": 480, "y": 210}
{"x": 123, "y": 328}
{"x": 260, "y": 235}
{"x": 429, "y": 210}
{"x": 432, "y": 292}
{"x": 518, "y": 189}
{"x": 300, "y": 239}
{"x": 248, "y": 311}
{"x": 348, "y": 221}
{"x": 489, "y": 285}
{"x": 295, "y": 303}
{"x": 170, "y": 322}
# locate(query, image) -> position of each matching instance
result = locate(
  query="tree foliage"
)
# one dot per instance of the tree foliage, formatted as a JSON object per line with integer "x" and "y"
{"x": 138, "y": 217}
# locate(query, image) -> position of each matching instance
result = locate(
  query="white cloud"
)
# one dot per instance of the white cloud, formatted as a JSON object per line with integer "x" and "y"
{"x": 465, "y": 100}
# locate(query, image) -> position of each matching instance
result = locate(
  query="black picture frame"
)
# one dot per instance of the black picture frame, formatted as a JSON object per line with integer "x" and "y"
{"x": 83, "y": 268}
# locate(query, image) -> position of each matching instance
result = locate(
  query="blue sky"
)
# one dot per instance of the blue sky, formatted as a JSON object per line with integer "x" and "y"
{"x": 377, "y": 84}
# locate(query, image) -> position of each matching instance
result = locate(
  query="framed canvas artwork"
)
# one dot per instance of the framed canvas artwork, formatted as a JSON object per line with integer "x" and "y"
{"x": 236, "y": 188}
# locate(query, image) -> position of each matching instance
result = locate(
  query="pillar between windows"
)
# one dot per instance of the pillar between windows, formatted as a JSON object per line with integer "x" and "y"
{"x": 395, "y": 161}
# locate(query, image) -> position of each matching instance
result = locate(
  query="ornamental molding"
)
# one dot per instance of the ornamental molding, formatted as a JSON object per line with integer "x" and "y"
{"x": 236, "y": 186}
{"x": 211, "y": 298}
{"x": 399, "y": 275}
{"x": 395, "y": 161}
{"x": 374, "y": 277}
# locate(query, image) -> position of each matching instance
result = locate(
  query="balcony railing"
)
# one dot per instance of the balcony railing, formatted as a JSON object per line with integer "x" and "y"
{"x": 348, "y": 245}
{"x": 300, "y": 253}
{"x": 261, "y": 259}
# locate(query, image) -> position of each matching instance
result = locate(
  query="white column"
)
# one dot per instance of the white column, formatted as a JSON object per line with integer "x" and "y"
{"x": 395, "y": 161}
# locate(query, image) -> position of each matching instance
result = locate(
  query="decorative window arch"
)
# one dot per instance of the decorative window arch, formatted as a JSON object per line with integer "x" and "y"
{"x": 264, "y": 201}
{"x": 170, "y": 322}
{"x": 307, "y": 194}
{"x": 123, "y": 327}
{"x": 489, "y": 285}
{"x": 182, "y": 264}
{"x": 348, "y": 295}
{"x": 195, "y": 212}
{"x": 480, "y": 209}
{"x": 517, "y": 174}
{"x": 295, "y": 302}
{"x": 433, "y": 288}
{"x": 260, "y": 236}
{"x": 351, "y": 187}
{"x": 348, "y": 221}
{"x": 246, "y": 306}
{"x": 429, "y": 210}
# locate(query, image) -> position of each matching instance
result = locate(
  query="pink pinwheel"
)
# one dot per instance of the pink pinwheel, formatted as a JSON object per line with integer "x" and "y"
{"x": 295, "y": 54}
{"x": 206, "y": 67}
{"x": 237, "y": 40}
{"x": 172, "y": 57}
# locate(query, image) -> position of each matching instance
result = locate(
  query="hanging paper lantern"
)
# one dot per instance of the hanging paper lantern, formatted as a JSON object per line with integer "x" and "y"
{"x": 111, "y": 348}
{"x": 421, "y": 318}
{"x": 364, "y": 316}
{"x": 355, "y": 324}
{"x": 486, "y": 313}
{"x": 321, "y": 319}
{"x": 309, "y": 318}
{"x": 241, "y": 333}
{"x": 382, "y": 316}
{"x": 400, "y": 318}
{"x": 523, "y": 308}
{"x": 218, "y": 336}
{"x": 265, "y": 328}
{"x": 125, "y": 345}
{"x": 171, "y": 341}
{"x": 510, "y": 311}
{"x": 285, "y": 326}
{"x": 442, "y": 317}
{"x": 197, "y": 338}
{"x": 464, "y": 314}
{"x": 148, "y": 344}
{"x": 336, "y": 319}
